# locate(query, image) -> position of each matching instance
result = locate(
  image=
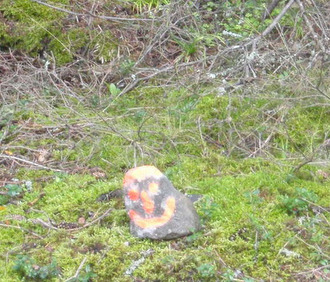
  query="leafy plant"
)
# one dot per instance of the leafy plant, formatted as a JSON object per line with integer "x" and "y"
{"x": 299, "y": 202}
{"x": 207, "y": 209}
{"x": 126, "y": 66}
{"x": 149, "y": 4}
{"x": 189, "y": 48}
{"x": 28, "y": 268}
{"x": 84, "y": 277}
{"x": 253, "y": 197}
{"x": 114, "y": 91}
{"x": 206, "y": 270}
{"x": 13, "y": 189}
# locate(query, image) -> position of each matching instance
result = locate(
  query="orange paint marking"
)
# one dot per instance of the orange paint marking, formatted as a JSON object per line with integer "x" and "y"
{"x": 153, "y": 187}
{"x": 148, "y": 204}
{"x": 132, "y": 214}
{"x": 133, "y": 194}
{"x": 154, "y": 222}
{"x": 141, "y": 173}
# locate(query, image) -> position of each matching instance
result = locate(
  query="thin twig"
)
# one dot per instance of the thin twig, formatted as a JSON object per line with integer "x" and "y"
{"x": 315, "y": 269}
{"x": 51, "y": 226}
{"x": 78, "y": 270}
{"x": 310, "y": 27}
{"x": 315, "y": 205}
{"x": 274, "y": 23}
{"x": 29, "y": 162}
{"x": 313, "y": 247}
{"x": 21, "y": 228}
{"x": 269, "y": 9}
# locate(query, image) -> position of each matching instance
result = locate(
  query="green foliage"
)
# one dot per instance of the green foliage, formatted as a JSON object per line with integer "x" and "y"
{"x": 86, "y": 275}
{"x": 299, "y": 202}
{"x": 29, "y": 269}
{"x": 207, "y": 209}
{"x": 126, "y": 66}
{"x": 189, "y": 48}
{"x": 31, "y": 25}
{"x": 13, "y": 189}
{"x": 206, "y": 270}
{"x": 37, "y": 29}
{"x": 113, "y": 90}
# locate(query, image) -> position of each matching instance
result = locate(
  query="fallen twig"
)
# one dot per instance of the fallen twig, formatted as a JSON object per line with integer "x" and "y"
{"x": 21, "y": 228}
{"x": 29, "y": 162}
{"x": 51, "y": 226}
{"x": 273, "y": 24}
{"x": 310, "y": 27}
{"x": 78, "y": 270}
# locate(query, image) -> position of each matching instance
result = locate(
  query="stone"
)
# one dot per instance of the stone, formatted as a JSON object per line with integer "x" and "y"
{"x": 156, "y": 209}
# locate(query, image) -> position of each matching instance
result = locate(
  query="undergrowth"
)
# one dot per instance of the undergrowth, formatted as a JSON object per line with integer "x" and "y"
{"x": 245, "y": 128}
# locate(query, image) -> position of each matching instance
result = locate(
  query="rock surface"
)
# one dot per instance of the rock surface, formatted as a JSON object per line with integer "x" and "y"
{"x": 156, "y": 209}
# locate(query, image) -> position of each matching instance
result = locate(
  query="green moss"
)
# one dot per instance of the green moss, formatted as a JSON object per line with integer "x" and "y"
{"x": 246, "y": 222}
{"x": 230, "y": 203}
{"x": 29, "y": 25}
{"x": 67, "y": 45}
{"x": 35, "y": 28}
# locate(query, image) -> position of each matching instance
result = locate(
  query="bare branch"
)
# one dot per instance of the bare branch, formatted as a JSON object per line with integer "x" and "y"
{"x": 29, "y": 162}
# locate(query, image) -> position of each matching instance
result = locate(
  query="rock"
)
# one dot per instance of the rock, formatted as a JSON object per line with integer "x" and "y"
{"x": 156, "y": 209}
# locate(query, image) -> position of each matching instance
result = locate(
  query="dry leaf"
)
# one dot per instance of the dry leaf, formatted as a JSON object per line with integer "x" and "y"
{"x": 43, "y": 155}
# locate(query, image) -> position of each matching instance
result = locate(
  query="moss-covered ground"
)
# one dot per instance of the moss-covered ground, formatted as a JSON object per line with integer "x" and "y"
{"x": 261, "y": 219}
{"x": 85, "y": 98}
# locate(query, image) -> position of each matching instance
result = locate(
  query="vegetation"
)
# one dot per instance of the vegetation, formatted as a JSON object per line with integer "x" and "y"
{"x": 229, "y": 102}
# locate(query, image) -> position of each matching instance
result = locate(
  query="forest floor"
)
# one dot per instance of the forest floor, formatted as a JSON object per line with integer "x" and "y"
{"x": 242, "y": 121}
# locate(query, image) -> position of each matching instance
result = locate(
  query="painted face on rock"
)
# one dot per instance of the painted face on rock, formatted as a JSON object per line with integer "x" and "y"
{"x": 146, "y": 203}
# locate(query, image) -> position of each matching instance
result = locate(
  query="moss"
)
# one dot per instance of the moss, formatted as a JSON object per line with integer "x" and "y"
{"x": 68, "y": 45}
{"x": 246, "y": 223}
{"x": 35, "y": 28}
{"x": 29, "y": 25}
{"x": 230, "y": 204}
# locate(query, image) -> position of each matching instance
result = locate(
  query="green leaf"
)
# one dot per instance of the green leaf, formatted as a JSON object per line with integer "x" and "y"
{"x": 113, "y": 89}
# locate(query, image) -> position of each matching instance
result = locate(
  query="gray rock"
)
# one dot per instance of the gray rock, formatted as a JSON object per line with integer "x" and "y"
{"x": 156, "y": 209}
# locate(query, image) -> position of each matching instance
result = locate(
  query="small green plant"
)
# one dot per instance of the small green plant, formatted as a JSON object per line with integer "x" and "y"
{"x": 207, "y": 209}
{"x": 299, "y": 202}
{"x": 206, "y": 270}
{"x": 84, "y": 277}
{"x": 253, "y": 197}
{"x": 229, "y": 275}
{"x": 126, "y": 66}
{"x": 140, "y": 5}
{"x": 12, "y": 190}
{"x": 189, "y": 48}
{"x": 28, "y": 268}
{"x": 194, "y": 237}
{"x": 114, "y": 91}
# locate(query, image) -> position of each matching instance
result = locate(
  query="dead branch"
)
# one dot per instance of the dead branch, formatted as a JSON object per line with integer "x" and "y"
{"x": 273, "y": 24}
{"x": 269, "y": 9}
{"x": 75, "y": 276}
{"x": 52, "y": 226}
{"x": 21, "y": 228}
{"x": 311, "y": 29}
{"x": 29, "y": 162}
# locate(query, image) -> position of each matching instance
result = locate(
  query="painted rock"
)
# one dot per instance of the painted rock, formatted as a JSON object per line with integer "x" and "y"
{"x": 156, "y": 209}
